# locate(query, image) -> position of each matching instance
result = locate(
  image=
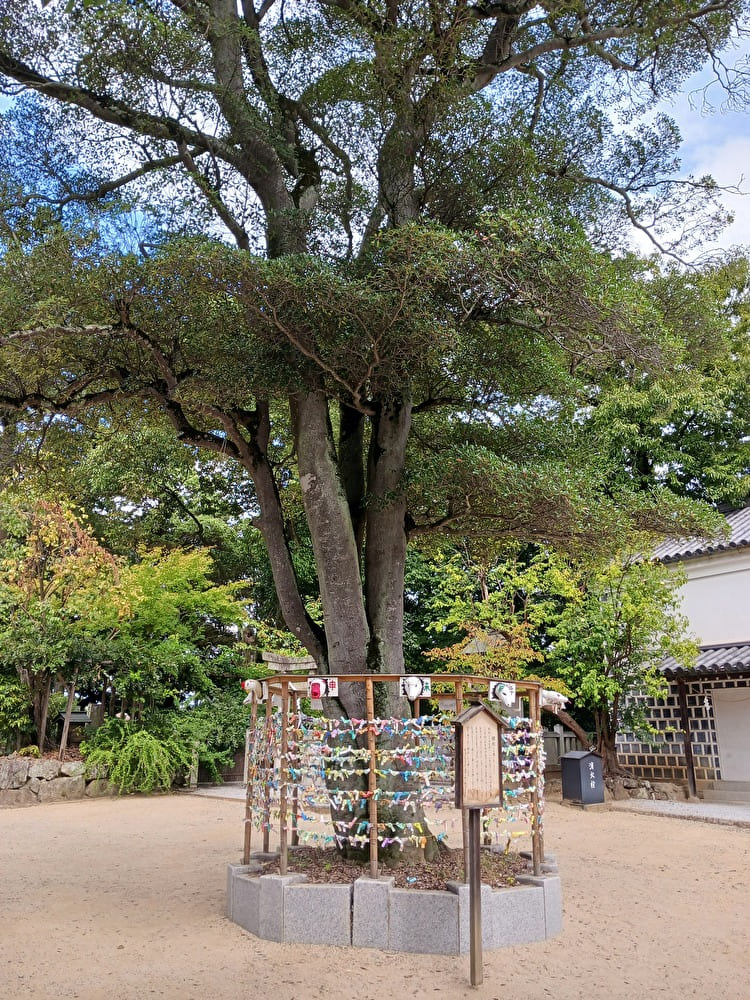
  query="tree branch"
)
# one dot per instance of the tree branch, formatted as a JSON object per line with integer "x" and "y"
{"x": 570, "y": 722}
{"x": 498, "y": 58}
{"x": 108, "y": 187}
{"x": 115, "y": 112}
{"x": 212, "y": 196}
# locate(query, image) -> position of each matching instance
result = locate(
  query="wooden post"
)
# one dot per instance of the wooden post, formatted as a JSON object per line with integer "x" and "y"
{"x": 475, "y": 898}
{"x": 459, "y": 691}
{"x": 479, "y": 785}
{"x": 295, "y": 790}
{"x": 68, "y": 711}
{"x": 686, "y": 741}
{"x": 269, "y": 771}
{"x": 249, "y": 742}
{"x": 537, "y": 847}
{"x": 372, "y": 783}
{"x": 283, "y": 776}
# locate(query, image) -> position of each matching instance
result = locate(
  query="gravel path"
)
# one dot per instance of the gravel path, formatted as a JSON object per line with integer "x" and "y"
{"x": 123, "y": 900}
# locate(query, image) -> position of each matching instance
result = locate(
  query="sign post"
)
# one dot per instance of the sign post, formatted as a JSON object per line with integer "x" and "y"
{"x": 479, "y": 785}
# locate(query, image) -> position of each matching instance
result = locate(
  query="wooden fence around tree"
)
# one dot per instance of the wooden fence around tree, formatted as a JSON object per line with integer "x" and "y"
{"x": 297, "y": 762}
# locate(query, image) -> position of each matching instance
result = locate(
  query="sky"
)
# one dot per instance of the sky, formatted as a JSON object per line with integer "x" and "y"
{"x": 717, "y": 143}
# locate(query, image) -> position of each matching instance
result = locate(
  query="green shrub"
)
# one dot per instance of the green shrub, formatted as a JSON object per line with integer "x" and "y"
{"x": 15, "y": 713}
{"x": 133, "y": 758}
{"x": 30, "y": 751}
{"x": 223, "y": 718}
{"x": 215, "y": 729}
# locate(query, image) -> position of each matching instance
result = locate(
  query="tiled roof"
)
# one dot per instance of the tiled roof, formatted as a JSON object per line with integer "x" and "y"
{"x": 689, "y": 548}
{"x": 713, "y": 660}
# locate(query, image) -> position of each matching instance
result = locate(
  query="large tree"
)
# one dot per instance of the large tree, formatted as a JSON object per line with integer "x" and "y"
{"x": 344, "y": 334}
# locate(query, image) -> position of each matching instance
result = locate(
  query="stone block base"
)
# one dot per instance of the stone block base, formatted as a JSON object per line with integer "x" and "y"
{"x": 374, "y": 914}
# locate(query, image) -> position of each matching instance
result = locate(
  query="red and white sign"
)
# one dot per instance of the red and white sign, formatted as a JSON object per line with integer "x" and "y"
{"x": 322, "y": 687}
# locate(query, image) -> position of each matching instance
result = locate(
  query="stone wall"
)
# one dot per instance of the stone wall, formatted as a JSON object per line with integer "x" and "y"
{"x": 28, "y": 782}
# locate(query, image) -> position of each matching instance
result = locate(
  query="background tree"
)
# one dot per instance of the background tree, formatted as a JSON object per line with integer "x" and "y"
{"x": 687, "y": 429}
{"x": 170, "y": 633}
{"x": 611, "y": 638}
{"x": 595, "y": 628}
{"x": 52, "y": 570}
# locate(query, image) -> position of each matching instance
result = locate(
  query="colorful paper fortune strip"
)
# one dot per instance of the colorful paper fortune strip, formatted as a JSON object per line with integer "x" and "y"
{"x": 326, "y": 770}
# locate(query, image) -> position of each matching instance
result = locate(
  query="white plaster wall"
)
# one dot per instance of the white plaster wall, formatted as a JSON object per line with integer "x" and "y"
{"x": 716, "y": 597}
{"x": 732, "y": 712}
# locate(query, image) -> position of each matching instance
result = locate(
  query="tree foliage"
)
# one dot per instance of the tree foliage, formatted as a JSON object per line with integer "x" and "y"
{"x": 427, "y": 293}
{"x": 687, "y": 429}
{"x": 610, "y": 640}
{"x": 594, "y": 628}
{"x": 168, "y": 630}
{"x": 148, "y": 633}
{"x": 52, "y": 570}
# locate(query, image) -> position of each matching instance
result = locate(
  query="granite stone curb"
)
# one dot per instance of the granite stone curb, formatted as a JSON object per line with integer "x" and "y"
{"x": 696, "y": 810}
{"x": 373, "y": 913}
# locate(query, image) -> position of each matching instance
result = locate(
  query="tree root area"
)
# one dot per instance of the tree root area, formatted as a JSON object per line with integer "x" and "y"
{"x": 327, "y": 866}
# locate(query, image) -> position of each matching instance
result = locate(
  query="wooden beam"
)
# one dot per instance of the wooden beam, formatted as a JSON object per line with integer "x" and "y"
{"x": 686, "y": 740}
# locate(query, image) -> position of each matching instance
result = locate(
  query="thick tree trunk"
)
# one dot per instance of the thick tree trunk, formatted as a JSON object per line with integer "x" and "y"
{"x": 385, "y": 550}
{"x": 271, "y": 526}
{"x": 39, "y": 683}
{"x": 334, "y": 544}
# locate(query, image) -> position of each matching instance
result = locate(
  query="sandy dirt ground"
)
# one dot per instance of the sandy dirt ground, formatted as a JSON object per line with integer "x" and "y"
{"x": 123, "y": 900}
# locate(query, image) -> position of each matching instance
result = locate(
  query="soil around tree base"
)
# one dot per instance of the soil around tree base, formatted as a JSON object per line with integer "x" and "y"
{"x": 325, "y": 865}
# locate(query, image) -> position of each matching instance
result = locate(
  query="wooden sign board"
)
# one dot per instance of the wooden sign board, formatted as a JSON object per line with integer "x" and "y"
{"x": 479, "y": 754}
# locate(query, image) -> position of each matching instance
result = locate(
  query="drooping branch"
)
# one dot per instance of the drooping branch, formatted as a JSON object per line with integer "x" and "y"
{"x": 626, "y": 192}
{"x": 106, "y": 187}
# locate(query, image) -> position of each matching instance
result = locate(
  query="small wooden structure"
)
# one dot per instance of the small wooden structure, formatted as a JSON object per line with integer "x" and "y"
{"x": 479, "y": 759}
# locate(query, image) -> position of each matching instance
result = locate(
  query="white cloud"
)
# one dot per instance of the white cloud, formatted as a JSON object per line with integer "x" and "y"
{"x": 728, "y": 162}
{"x": 716, "y": 141}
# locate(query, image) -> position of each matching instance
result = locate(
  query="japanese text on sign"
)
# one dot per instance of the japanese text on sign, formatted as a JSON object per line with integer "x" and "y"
{"x": 480, "y": 755}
